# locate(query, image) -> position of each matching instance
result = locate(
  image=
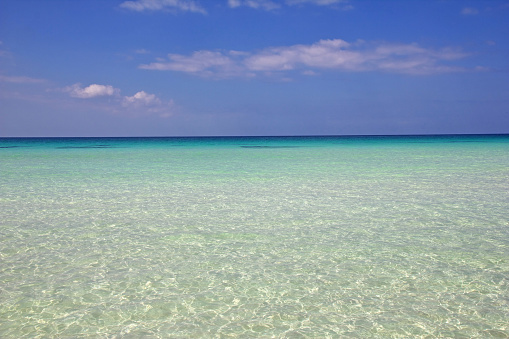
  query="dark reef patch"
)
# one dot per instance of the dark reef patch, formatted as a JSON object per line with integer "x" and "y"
{"x": 269, "y": 147}
{"x": 92, "y": 146}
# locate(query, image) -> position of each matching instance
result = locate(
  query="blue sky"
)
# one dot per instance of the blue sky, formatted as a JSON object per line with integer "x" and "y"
{"x": 253, "y": 67}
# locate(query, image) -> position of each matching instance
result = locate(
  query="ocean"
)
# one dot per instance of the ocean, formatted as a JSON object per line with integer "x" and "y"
{"x": 255, "y": 237}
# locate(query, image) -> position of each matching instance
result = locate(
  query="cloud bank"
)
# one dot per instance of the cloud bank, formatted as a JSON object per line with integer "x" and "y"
{"x": 157, "y": 5}
{"x": 334, "y": 55}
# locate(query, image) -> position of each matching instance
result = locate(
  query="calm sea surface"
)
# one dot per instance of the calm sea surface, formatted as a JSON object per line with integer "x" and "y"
{"x": 290, "y": 237}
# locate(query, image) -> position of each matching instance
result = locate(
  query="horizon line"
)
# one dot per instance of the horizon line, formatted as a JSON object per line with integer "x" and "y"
{"x": 268, "y": 136}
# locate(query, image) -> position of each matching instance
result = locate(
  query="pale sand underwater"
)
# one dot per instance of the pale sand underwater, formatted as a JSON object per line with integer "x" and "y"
{"x": 255, "y": 237}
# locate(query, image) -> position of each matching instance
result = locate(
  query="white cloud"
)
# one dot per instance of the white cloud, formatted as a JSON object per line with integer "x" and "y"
{"x": 256, "y": 4}
{"x": 20, "y": 79}
{"x": 142, "y": 98}
{"x": 316, "y": 2}
{"x": 143, "y": 103}
{"x": 234, "y": 3}
{"x": 91, "y": 91}
{"x": 271, "y": 5}
{"x": 194, "y": 6}
{"x": 201, "y": 63}
{"x": 158, "y": 5}
{"x": 335, "y": 54}
{"x": 323, "y": 54}
{"x": 469, "y": 11}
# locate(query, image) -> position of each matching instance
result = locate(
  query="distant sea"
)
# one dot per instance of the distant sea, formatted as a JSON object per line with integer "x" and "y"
{"x": 243, "y": 237}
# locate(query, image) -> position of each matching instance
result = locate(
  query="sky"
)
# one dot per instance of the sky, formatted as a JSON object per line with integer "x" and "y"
{"x": 253, "y": 67}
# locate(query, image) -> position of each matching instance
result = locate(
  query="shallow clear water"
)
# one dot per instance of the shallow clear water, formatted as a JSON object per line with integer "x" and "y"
{"x": 255, "y": 237}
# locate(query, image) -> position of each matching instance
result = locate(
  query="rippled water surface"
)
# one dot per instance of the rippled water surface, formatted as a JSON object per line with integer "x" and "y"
{"x": 255, "y": 237}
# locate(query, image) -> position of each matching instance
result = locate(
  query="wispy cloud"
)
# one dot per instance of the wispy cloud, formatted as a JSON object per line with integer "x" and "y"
{"x": 21, "y": 79}
{"x": 141, "y": 103}
{"x": 320, "y": 3}
{"x": 205, "y": 63}
{"x": 142, "y": 51}
{"x": 161, "y": 5}
{"x": 194, "y": 6}
{"x": 469, "y": 11}
{"x": 335, "y": 54}
{"x": 269, "y": 5}
{"x": 256, "y": 4}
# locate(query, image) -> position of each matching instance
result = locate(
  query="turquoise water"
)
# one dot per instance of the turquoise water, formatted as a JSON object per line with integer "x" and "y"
{"x": 289, "y": 237}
